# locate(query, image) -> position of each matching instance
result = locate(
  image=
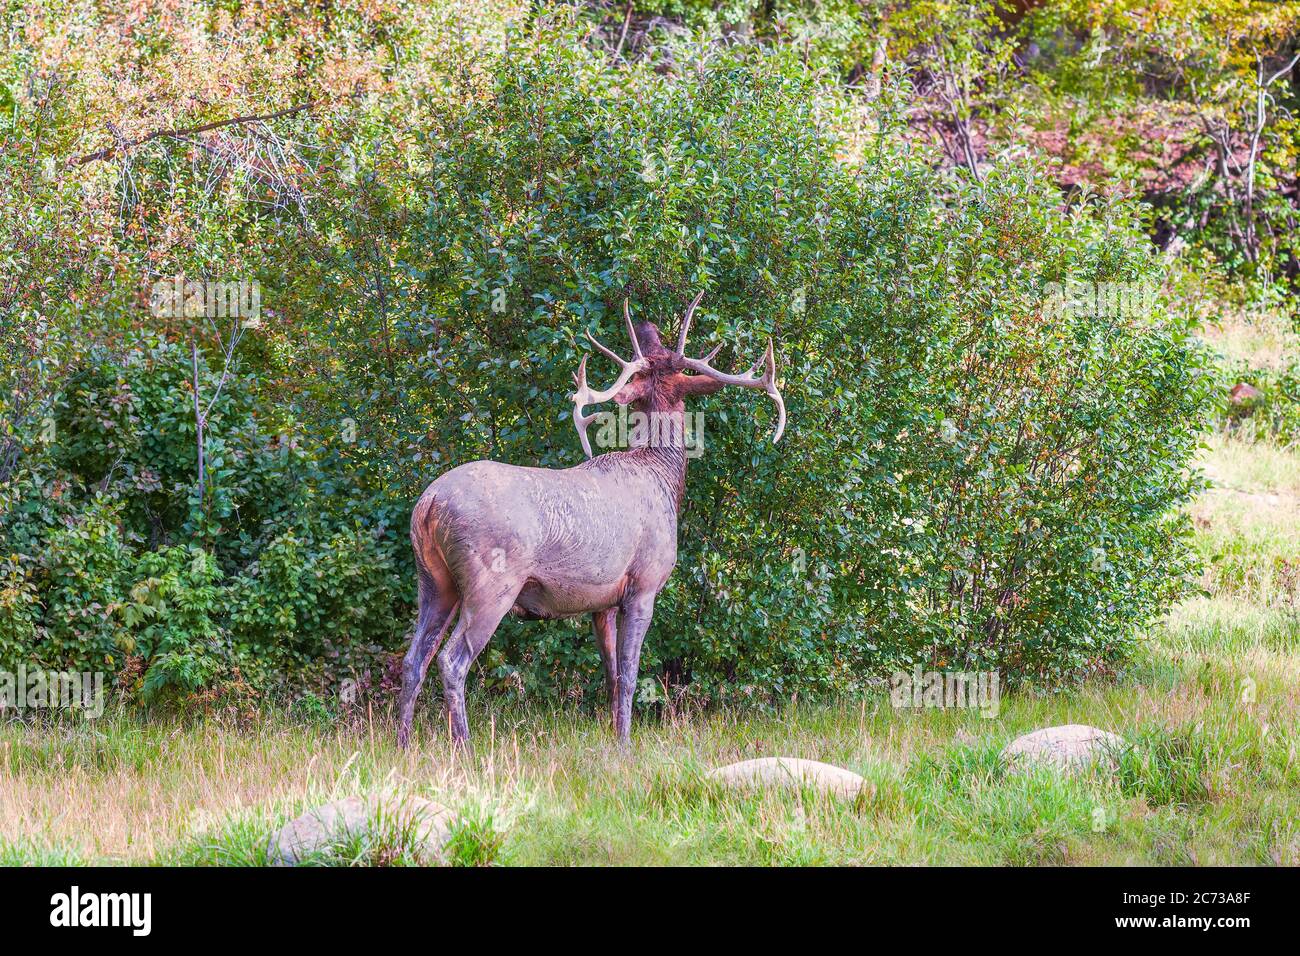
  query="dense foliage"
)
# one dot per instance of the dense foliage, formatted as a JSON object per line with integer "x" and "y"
{"x": 436, "y": 202}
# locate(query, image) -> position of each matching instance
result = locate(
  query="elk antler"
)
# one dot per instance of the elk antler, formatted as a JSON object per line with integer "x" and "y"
{"x": 631, "y": 332}
{"x": 767, "y": 381}
{"x": 686, "y": 323}
{"x": 585, "y": 396}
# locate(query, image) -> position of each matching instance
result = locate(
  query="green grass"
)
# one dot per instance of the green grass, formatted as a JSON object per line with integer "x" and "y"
{"x": 1211, "y": 707}
{"x": 1211, "y": 779}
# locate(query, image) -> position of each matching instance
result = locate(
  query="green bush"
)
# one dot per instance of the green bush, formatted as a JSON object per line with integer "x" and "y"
{"x": 321, "y": 611}
{"x": 969, "y": 479}
{"x": 21, "y": 614}
{"x": 175, "y": 614}
{"x": 89, "y": 565}
{"x": 111, "y": 562}
{"x": 965, "y": 481}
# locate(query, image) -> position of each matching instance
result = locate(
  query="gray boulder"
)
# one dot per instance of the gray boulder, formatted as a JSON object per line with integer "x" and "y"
{"x": 789, "y": 772}
{"x": 1069, "y": 747}
{"x": 419, "y": 826}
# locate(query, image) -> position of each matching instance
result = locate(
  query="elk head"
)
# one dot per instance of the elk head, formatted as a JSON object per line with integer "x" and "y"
{"x": 656, "y": 379}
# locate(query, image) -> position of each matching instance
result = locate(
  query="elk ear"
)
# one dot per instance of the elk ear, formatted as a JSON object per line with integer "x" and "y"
{"x": 695, "y": 384}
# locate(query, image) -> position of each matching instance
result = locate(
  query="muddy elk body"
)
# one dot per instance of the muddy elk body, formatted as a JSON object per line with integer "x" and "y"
{"x": 601, "y": 538}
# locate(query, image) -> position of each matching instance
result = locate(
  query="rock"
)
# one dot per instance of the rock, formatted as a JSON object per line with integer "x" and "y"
{"x": 1243, "y": 394}
{"x": 1070, "y": 747}
{"x": 427, "y": 826}
{"x": 789, "y": 772}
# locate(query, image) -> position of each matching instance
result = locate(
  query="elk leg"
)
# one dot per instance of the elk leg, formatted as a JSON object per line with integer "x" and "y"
{"x": 633, "y": 621}
{"x": 436, "y": 612}
{"x": 605, "y": 625}
{"x": 474, "y": 628}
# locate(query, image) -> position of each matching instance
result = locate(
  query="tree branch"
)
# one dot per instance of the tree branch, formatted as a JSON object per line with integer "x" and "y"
{"x": 110, "y": 151}
{"x": 627, "y": 21}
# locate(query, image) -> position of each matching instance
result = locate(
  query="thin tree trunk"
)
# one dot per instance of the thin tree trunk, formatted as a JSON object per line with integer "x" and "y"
{"x": 198, "y": 418}
{"x": 622, "y": 37}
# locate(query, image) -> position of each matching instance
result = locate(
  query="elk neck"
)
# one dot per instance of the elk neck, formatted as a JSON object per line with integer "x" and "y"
{"x": 658, "y": 447}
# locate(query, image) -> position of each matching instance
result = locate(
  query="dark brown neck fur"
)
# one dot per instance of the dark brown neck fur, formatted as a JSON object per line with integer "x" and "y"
{"x": 665, "y": 460}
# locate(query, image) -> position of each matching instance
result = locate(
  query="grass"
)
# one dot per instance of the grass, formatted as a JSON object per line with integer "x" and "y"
{"x": 1211, "y": 707}
{"x": 1213, "y": 778}
{"x": 1262, "y": 339}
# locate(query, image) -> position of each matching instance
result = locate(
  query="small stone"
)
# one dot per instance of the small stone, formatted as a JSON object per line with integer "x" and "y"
{"x": 1070, "y": 747}
{"x": 428, "y": 825}
{"x": 789, "y": 772}
{"x": 1243, "y": 394}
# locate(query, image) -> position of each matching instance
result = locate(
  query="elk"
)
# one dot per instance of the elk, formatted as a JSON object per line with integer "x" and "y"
{"x": 600, "y": 538}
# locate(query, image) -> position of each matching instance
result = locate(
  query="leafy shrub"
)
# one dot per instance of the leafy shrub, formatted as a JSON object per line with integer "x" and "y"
{"x": 338, "y": 604}
{"x": 969, "y": 478}
{"x": 112, "y": 563}
{"x": 175, "y": 610}
{"x": 966, "y": 481}
{"x": 89, "y": 565}
{"x": 21, "y": 614}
